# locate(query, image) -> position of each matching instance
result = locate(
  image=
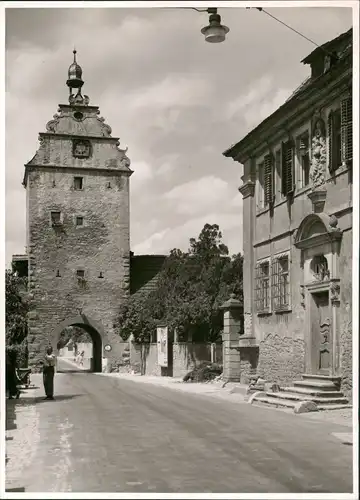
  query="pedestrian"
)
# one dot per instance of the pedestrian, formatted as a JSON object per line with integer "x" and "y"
{"x": 49, "y": 372}
{"x": 11, "y": 378}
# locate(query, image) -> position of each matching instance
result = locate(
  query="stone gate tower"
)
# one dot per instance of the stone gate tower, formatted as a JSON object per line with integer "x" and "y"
{"x": 77, "y": 188}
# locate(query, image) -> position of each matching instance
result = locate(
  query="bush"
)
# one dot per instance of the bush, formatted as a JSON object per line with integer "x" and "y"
{"x": 204, "y": 372}
{"x": 18, "y": 354}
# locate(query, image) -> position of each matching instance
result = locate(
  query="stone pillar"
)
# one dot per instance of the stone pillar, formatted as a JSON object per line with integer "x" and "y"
{"x": 248, "y": 190}
{"x": 231, "y": 357}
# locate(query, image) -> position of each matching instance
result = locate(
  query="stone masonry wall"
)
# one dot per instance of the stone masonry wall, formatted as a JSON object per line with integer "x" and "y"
{"x": 346, "y": 333}
{"x": 101, "y": 246}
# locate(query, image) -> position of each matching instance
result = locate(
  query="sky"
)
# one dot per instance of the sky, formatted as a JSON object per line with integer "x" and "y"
{"x": 176, "y": 101}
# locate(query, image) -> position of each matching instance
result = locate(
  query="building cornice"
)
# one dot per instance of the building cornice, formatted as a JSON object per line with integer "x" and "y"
{"x": 49, "y": 168}
{"x": 294, "y": 111}
{"x": 72, "y": 136}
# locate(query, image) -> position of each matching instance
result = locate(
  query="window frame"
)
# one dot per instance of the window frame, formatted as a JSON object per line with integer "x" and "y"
{"x": 56, "y": 223}
{"x": 260, "y": 306}
{"x": 299, "y": 167}
{"x": 77, "y": 177}
{"x": 79, "y": 226}
{"x": 278, "y": 304}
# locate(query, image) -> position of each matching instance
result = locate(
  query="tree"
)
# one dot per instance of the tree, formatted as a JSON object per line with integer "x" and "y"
{"x": 16, "y": 309}
{"x": 190, "y": 290}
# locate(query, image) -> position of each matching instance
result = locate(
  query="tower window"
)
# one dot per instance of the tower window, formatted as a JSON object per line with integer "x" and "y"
{"x": 101, "y": 274}
{"x": 55, "y": 218}
{"x": 80, "y": 273}
{"x": 79, "y": 221}
{"x": 58, "y": 274}
{"x": 78, "y": 116}
{"x": 78, "y": 183}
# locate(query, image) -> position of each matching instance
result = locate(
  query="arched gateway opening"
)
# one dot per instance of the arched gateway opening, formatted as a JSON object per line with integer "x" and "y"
{"x": 94, "y": 333}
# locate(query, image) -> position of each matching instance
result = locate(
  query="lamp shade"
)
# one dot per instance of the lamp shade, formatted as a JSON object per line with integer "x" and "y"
{"x": 215, "y": 32}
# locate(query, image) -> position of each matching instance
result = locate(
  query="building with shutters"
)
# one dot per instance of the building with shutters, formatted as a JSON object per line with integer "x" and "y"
{"x": 297, "y": 228}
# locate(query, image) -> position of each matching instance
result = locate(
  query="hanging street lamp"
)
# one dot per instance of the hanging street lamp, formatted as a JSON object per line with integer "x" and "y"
{"x": 215, "y": 32}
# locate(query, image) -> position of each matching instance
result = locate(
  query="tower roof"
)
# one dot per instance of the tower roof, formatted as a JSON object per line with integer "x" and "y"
{"x": 74, "y": 75}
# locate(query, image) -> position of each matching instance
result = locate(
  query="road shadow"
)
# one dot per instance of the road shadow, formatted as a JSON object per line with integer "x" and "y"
{"x": 24, "y": 401}
{"x": 73, "y": 371}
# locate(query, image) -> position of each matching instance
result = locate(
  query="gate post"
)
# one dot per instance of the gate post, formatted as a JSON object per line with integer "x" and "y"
{"x": 232, "y": 322}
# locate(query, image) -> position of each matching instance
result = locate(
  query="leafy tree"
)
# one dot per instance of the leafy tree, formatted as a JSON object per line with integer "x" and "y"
{"x": 75, "y": 333}
{"x": 16, "y": 310}
{"x": 190, "y": 290}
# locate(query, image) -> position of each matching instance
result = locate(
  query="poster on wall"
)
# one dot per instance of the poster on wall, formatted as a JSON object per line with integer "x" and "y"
{"x": 162, "y": 343}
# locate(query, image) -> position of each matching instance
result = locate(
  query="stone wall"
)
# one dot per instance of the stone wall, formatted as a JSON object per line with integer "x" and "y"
{"x": 346, "y": 332}
{"x": 100, "y": 246}
{"x": 143, "y": 358}
{"x": 281, "y": 358}
{"x": 187, "y": 355}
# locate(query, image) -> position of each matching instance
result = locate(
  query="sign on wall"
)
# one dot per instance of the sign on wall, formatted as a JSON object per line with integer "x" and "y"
{"x": 162, "y": 343}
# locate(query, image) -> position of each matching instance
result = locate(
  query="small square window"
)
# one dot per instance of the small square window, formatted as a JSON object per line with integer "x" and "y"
{"x": 55, "y": 218}
{"x": 78, "y": 183}
{"x": 80, "y": 273}
{"x": 79, "y": 221}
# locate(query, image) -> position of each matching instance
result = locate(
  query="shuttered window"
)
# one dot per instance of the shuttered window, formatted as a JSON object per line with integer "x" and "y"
{"x": 287, "y": 181}
{"x": 346, "y": 129}
{"x": 334, "y": 136}
{"x": 280, "y": 283}
{"x": 303, "y": 157}
{"x": 262, "y": 287}
{"x": 269, "y": 179}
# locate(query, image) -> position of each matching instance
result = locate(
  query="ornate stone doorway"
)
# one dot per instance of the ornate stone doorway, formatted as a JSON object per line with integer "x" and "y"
{"x": 319, "y": 240}
{"x": 320, "y": 334}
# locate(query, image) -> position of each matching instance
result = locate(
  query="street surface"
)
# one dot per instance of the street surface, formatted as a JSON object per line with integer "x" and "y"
{"x": 104, "y": 434}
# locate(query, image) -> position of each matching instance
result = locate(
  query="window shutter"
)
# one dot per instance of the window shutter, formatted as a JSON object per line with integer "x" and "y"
{"x": 287, "y": 181}
{"x": 331, "y": 142}
{"x": 346, "y": 129}
{"x": 269, "y": 180}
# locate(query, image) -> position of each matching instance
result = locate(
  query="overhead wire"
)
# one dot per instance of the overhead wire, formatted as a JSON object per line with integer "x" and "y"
{"x": 260, "y": 9}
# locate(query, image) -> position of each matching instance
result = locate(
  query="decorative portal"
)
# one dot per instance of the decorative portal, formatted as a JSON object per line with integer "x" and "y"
{"x": 320, "y": 268}
{"x": 81, "y": 148}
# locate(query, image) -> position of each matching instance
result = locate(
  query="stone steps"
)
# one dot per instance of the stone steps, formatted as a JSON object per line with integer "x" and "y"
{"x": 302, "y": 397}
{"x": 322, "y": 386}
{"x": 312, "y": 393}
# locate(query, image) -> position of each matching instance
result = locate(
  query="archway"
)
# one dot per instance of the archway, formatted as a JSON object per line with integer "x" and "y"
{"x": 95, "y": 332}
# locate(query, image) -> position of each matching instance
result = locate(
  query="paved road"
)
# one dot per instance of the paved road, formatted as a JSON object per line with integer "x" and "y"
{"x": 104, "y": 434}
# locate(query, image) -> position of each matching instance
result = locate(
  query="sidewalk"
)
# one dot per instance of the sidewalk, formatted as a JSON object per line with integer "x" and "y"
{"x": 215, "y": 389}
{"x": 22, "y": 434}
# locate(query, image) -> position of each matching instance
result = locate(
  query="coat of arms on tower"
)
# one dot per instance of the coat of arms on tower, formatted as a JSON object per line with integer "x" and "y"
{"x": 81, "y": 148}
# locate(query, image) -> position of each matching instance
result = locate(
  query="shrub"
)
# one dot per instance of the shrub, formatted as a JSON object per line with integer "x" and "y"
{"x": 204, "y": 372}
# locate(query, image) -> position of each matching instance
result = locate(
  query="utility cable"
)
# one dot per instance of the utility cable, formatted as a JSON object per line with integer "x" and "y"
{"x": 260, "y": 9}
